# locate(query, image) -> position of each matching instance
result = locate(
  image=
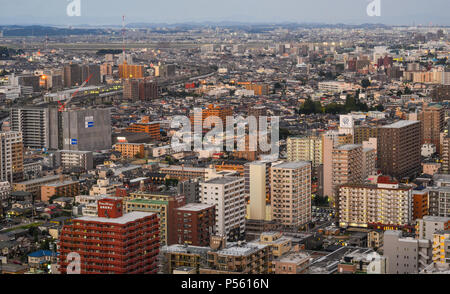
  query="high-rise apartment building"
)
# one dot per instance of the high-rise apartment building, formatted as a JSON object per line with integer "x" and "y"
{"x": 258, "y": 178}
{"x": 369, "y": 162}
{"x": 331, "y": 140}
{"x": 140, "y": 89}
{"x": 72, "y": 75}
{"x": 427, "y": 226}
{"x": 190, "y": 189}
{"x": 399, "y": 149}
{"x": 38, "y": 125}
{"x": 441, "y": 247}
{"x": 305, "y": 149}
{"x": 291, "y": 193}
{"x": 11, "y": 156}
{"x": 111, "y": 243}
{"x": 164, "y": 204}
{"x": 195, "y": 224}
{"x": 363, "y": 133}
{"x": 347, "y": 165}
{"x": 405, "y": 255}
{"x": 131, "y": 71}
{"x": 439, "y": 201}
{"x": 228, "y": 196}
{"x": 79, "y": 129}
{"x": 384, "y": 204}
{"x": 432, "y": 120}
{"x": 211, "y": 110}
{"x": 445, "y": 155}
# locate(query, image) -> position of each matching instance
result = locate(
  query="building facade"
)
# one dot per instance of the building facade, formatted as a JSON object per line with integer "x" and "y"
{"x": 291, "y": 193}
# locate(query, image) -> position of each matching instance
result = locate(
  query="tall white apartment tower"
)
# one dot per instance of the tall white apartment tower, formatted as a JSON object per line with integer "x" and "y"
{"x": 228, "y": 196}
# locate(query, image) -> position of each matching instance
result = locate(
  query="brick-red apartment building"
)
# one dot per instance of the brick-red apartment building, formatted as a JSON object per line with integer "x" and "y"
{"x": 112, "y": 243}
{"x": 195, "y": 224}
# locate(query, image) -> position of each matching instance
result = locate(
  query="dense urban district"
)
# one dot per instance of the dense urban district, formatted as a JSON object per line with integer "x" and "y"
{"x": 92, "y": 183}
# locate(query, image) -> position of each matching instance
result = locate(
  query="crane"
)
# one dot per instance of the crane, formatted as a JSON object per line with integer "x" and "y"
{"x": 63, "y": 106}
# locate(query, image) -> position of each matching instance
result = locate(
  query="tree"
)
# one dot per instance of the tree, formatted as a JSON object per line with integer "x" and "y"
{"x": 284, "y": 133}
{"x": 310, "y": 107}
{"x": 365, "y": 83}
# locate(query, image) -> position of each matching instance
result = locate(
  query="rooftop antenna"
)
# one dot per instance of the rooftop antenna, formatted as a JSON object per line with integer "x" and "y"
{"x": 123, "y": 38}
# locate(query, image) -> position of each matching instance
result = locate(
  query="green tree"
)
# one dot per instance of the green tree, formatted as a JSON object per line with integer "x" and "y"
{"x": 365, "y": 83}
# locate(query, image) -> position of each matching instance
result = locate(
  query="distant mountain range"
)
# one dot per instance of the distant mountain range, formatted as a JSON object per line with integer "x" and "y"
{"x": 39, "y": 30}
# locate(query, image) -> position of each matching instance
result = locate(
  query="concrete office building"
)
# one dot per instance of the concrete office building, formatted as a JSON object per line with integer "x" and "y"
{"x": 291, "y": 193}
{"x": 38, "y": 125}
{"x": 228, "y": 196}
{"x": 399, "y": 149}
{"x": 405, "y": 255}
{"x": 86, "y": 129}
{"x": 429, "y": 225}
{"x": 11, "y": 156}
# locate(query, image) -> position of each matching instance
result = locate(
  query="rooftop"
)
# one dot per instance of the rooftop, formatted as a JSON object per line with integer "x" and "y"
{"x": 126, "y": 218}
{"x": 400, "y": 124}
{"x": 223, "y": 180}
{"x": 293, "y": 165}
{"x": 195, "y": 207}
{"x": 39, "y": 180}
{"x": 348, "y": 147}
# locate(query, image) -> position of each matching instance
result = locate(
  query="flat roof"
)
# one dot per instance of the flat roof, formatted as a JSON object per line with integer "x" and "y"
{"x": 223, "y": 180}
{"x": 38, "y": 180}
{"x": 59, "y": 184}
{"x": 244, "y": 249}
{"x": 400, "y": 124}
{"x": 187, "y": 168}
{"x": 348, "y": 146}
{"x": 126, "y": 218}
{"x": 292, "y": 165}
{"x": 195, "y": 206}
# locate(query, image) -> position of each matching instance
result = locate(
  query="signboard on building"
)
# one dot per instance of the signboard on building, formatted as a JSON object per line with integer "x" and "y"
{"x": 89, "y": 122}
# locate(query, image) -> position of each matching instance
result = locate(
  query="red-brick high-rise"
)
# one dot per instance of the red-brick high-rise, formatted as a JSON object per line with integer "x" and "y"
{"x": 195, "y": 224}
{"x": 112, "y": 243}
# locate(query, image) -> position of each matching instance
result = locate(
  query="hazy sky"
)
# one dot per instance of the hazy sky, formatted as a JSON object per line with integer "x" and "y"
{"x": 96, "y": 12}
